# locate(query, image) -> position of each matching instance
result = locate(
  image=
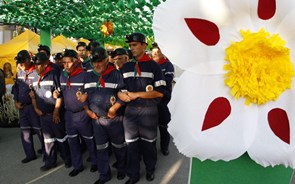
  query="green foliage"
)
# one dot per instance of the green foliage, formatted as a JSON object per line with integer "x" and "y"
{"x": 82, "y": 18}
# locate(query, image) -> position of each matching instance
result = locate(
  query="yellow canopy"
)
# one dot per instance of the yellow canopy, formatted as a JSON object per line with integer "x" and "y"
{"x": 65, "y": 42}
{"x": 29, "y": 40}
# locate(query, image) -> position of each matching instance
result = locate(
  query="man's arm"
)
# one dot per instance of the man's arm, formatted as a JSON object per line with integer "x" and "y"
{"x": 145, "y": 95}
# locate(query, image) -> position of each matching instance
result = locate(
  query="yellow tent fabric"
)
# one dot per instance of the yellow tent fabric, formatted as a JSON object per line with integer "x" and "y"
{"x": 65, "y": 42}
{"x": 29, "y": 40}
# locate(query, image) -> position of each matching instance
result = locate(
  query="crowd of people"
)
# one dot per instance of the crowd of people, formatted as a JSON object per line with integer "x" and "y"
{"x": 96, "y": 100}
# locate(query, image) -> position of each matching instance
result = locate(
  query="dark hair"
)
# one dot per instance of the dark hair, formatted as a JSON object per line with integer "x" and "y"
{"x": 45, "y": 48}
{"x": 81, "y": 44}
{"x": 92, "y": 45}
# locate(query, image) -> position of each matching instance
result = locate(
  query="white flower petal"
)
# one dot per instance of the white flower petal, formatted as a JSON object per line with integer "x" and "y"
{"x": 268, "y": 149}
{"x": 176, "y": 39}
{"x": 191, "y": 98}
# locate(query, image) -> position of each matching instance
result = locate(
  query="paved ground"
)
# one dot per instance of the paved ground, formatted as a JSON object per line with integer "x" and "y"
{"x": 172, "y": 169}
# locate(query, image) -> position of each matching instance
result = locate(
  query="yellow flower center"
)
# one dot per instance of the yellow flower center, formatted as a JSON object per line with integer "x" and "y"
{"x": 259, "y": 68}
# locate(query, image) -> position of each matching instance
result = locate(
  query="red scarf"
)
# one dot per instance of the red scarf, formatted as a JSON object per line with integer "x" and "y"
{"x": 46, "y": 71}
{"x": 163, "y": 60}
{"x": 28, "y": 71}
{"x": 144, "y": 58}
{"x": 109, "y": 69}
{"x": 76, "y": 71}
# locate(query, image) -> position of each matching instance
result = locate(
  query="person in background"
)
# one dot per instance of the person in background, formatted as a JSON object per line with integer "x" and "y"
{"x": 45, "y": 49}
{"x": 58, "y": 60}
{"x": 102, "y": 86}
{"x": 120, "y": 57}
{"x": 49, "y": 109}
{"x": 86, "y": 65}
{"x": 82, "y": 51}
{"x": 28, "y": 119}
{"x": 2, "y": 86}
{"x": 130, "y": 56}
{"x": 7, "y": 68}
{"x": 144, "y": 88}
{"x": 110, "y": 51}
{"x": 72, "y": 82}
{"x": 164, "y": 113}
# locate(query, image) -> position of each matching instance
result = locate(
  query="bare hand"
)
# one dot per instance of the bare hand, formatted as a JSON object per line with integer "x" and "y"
{"x": 111, "y": 113}
{"x": 19, "y": 105}
{"x": 91, "y": 114}
{"x": 132, "y": 95}
{"x": 82, "y": 97}
{"x": 124, "y": 97}
{"x": 39, "y": 112}
{"x": 56, "y": 94}
{"x": 32, "y": 94}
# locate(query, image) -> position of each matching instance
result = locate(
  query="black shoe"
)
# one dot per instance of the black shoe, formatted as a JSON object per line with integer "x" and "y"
{"x": 165, "y": 152}
{"x": 93, "y": 168}
{"x": 75, "y": 172}
{"x": 132, "y": 181}
{"x": 47, "y": 167}
{"x": 26, "y": 160}
{"x": 120, "y": 176}
{"x": 40, "y": 151}
{"x": 68, "y": 164}
{"x": 100, "y": 181}
{"x": 150, "y": 176}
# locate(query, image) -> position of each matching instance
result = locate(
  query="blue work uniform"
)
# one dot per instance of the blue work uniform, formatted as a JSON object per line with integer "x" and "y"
{"x": 76, "y": 120}
{"x": 86, "y": 65}
{"x": 54, "y": 134}
{"x": 164, "y": 113}
{"x": 28, "y": 119}
{"x": 141, "y": 115}
{"x": 101, "y": 96}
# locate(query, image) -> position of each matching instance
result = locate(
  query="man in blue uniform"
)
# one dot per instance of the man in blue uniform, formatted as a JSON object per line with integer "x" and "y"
{"x": 72, "y": 81}
{"x": 28, "y": 119}
{"x": 164, "y": 113}
{"x": 144, "y": 89}
{"x": 48, "y": 108}
{"x": 102, "y": 86}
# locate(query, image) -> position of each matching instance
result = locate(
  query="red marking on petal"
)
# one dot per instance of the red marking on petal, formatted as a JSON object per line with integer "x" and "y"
{"x": 217, "y": 112}
{"x": 207, "y": 32}
{"x": 279, "y": 124}
{"x": 266, "y": 9}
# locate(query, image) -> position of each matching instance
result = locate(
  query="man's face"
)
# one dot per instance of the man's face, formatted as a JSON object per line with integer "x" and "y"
{"x": 137, "y": 49}
{"x": 120, "y": 60}
{"x": 101, "y": 66}
{"x": 157, "y": 54}
{"x": 40, "y": 68}
{"x": 25, "y": 65}
{"x": 69, "y": 64}
{"x": 82, "y": 52}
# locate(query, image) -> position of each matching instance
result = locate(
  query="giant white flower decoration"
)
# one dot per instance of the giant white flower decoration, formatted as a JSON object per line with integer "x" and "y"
{"x": 236, "y": 94}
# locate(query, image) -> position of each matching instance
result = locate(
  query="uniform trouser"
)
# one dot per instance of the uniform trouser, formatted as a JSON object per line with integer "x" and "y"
{"x": 79, "y": 124}
{"x": 29, "y": 121}
{"x": 140, "y": 125}
{"x": 112, "y": 130}
{"x": 54, "y": 135}
{"x": 164, "y": 119}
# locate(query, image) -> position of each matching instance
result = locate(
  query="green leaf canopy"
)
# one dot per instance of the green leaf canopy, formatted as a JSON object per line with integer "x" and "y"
{"x": 82, "y": 18}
